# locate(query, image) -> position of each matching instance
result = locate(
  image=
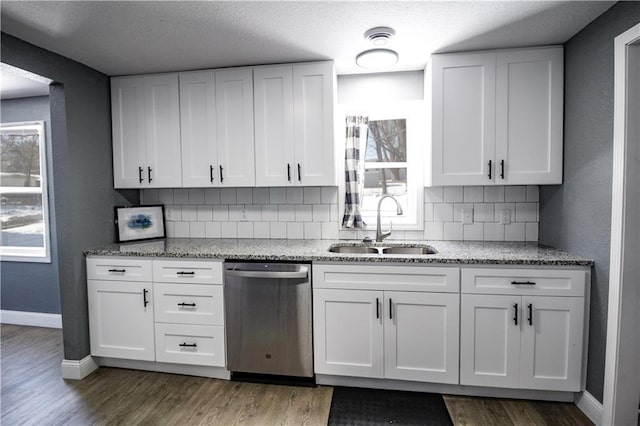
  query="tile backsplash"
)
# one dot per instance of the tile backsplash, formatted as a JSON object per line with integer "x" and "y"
{"x": 312, "y": 213}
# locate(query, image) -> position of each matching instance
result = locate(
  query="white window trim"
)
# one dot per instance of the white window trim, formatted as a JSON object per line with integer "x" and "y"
{"x": 416, "y": 115}
{"x": 32, "y": 254}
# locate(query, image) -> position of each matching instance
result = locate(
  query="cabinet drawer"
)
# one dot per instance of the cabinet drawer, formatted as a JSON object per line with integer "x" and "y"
{"x": 190, "y": 272}
{"x": 552, "y": 282}
{"x": 383, "y": 277}
{"x": 118, "y": 269}
{"x": 190, "y": 344}
{"x": 189, "y": 303}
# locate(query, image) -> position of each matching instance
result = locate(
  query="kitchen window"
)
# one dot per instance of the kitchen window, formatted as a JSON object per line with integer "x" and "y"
{"x": 24, "y": 213}
{"x": 393, "y": 162}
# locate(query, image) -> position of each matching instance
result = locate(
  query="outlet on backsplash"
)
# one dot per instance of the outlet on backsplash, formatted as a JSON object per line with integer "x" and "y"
{"x": 505, "y": 217}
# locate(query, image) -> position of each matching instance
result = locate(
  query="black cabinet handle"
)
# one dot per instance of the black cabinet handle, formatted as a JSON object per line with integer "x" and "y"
{"x": 522, "y": 283}
{"x": 390, "y": 309}
{"x": 188, "y": 345}
{"x": 211, "y": 173}
{"x": 489, "y": 169}
{"x": 140, "y": 178}
{"x": 299, "y": 173}
{"x": 289, "y": 172}
{"x": 144, "y": 297}
{"x": 502, "y": 169}
{"x": 221, "y": 178}
{"x": 182, "y": 273}
{"x": 118, "y": 271}
{"x": 192, "y": 305}
{"x": 530, "y": 319}
{"x": 377, "y": 308}
{"x": 515, "y": 313}
{"x": 149, "y": 169}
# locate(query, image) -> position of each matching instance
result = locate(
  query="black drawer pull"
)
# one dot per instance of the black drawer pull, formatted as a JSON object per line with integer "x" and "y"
{"x": 144, "y": 297}
{"x": 118, "y": 271}
{"x": 185, "y": 273}
{"x": 390, "y": 309}
{"x": 522, "y": 283}
{"x": 289, "y": 172}
{"x": 299, "y": 173}
{"x": 377, "y": 308}
{"x": 221, "y": 177}
{"x": 502, "y": 169}
{"x": 515, "y": 313}
{"x": 140, "y": 178}
{"x": 188, "y": 345}
{"x": 149, "y": 169}
{"x": 192, "y": 305}
{"x": 489, "y": 169}
{"x": 530, "y": 319}
{"x": 211, "y": 173}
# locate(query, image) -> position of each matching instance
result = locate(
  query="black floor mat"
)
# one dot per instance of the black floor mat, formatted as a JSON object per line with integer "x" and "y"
{"x": 355, "y": 406}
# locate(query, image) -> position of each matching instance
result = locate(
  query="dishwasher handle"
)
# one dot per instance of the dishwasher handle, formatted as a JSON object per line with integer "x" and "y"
{"x": 267, "y": 274}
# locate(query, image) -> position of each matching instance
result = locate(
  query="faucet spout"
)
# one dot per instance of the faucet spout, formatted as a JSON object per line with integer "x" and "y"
{"x": 380, "y": 235}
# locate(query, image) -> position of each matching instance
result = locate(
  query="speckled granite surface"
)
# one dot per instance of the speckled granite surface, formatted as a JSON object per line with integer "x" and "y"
{"x": 473, "y": 252}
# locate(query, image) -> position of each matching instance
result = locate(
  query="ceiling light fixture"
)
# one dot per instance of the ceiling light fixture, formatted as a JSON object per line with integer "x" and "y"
{"x": 378, "y": 58}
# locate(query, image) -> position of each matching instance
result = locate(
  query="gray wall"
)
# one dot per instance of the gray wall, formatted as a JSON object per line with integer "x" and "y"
{"x": 82, "y": 174}
{"x": 577, "y": 215}
{"x": 26, "y": 286}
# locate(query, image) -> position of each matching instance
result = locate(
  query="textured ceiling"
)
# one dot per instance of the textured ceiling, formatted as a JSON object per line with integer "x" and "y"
{"x": 17, "y": 83}
{"x": 121, "y": 38}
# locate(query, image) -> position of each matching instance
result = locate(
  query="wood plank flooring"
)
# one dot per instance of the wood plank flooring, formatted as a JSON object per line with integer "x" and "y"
{"x": 33, "y": 393}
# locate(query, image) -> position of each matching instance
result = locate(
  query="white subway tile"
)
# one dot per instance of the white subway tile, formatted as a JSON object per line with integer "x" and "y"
{"x": 220, "y": 212}
{"x": 494, "y": 194}
{"x": 493, "y": 232}
{"x": 428, "y": 212}
{"x": 348, "y": 234}
{"x": 433, "y": 194}
{"x": 453, "y": 194}
{"x": 312, "y": 195}
{"x": 483, "y": 212}
{"x": 212, "y": 196}
{"x": 516, "y": 194}
{"x": 473, "y": 194}
{"x": 452, "y": 231}
{"x": 395, "y": 235}
{"x": 329, "y": 195}
{"x": 277, "y": 195}
{"x": 458, "y": 210}
{"x": 244, "y": 195}
{"x": 526, "y": 212}
{"x": 189, "y": 213}
{"x": 286, "y": 213}
{"x": 260, "y": 195}
{"x": 335, "y": 214}
{"x": 228, "y": 196}
{"x": 278, "y": 229}
{"x": 329, "y": 231}
{"x": 254, "y": 212}
{"x": 165, "y": 196}
{"x": 269, "y": 213}
{"x": 204, "y": 213}
{"x": 321, "y": 213}
{"x": 473, "y": 232}
{"x": 196, "y": 230}
{"x": 261, "y": 230}
{"x": 149, "y": 196}
{"x": 304, "y": 213}
{"x": 408, "y": 235}
{"x": 235, "y": 213}
{"x": 181, "y": 229}
{"x": 313, "y": 230}
{"x": 531, "y": 231}
{"x": 212, "y": 229}
{"x": 170, "y": 229}
{"x": 229, "y": 229}
{"x": 180, "y": 196}
{"x": 245, "y": 229}
{"x": 196, "y": 196}
{"x": 173, "y": 213}
{"x": 514, "y": 231}
{"x": 533, "y": 193}
{"x": 295, "y": 195}
{"x": 443, "y": 212}
{"x": 499, "y": 207}
{"x": 433, "y": 230}
{"x": 295, "y": 230}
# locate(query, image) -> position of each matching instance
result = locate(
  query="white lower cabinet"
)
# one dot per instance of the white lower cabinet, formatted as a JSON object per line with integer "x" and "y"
{"x": 190, "y": 344}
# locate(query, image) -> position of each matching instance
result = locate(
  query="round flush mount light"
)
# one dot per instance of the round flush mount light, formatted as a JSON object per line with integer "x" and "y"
{"x": 376, "y": 58}
{"x": 379, "y": 36}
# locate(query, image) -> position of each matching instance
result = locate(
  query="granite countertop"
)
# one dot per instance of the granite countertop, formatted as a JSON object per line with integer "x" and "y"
{"x": 449, "y": 252}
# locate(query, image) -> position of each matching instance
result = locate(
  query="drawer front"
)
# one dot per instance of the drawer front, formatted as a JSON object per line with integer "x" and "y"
{"x": 551, "y": 282}
{"x": 118, "y": 269}
{"x": 190, "y": 344}
{"x": 387, "y": 277}
{"x": 189, "y": 303}
{"x": 189, "y": 272}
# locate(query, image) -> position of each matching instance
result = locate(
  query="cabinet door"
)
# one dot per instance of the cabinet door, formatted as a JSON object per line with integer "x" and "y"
{"x": 463, "y": 114}
{"x": 552, "y": 335}
{"x": 164, "y": 167}
{"x": 120, "y": 325}
{"x": 234, "y": 118}
{"x": 313, "y": 99}
{"x": 490, "y": 340}
{"x": 273, "y": 96}
{"x": 348, "y": 333}
{"x": 198, "y": 129}
{"x": 128, "y": 122}
{"x": 529, "y": 99}
{"x": 421, "y": 336}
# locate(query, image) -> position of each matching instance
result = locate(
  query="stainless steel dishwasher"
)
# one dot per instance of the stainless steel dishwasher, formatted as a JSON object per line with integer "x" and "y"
{"x": 268, "y": 318}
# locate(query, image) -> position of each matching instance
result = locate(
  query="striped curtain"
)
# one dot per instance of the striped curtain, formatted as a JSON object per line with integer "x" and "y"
{"x": 356, "y": 140}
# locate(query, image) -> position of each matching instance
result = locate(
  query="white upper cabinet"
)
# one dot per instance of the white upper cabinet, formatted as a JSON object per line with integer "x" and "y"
{"x": 146, "y": 131}
{"x": 294, "y": 125}
{"x": 497, "y": 117}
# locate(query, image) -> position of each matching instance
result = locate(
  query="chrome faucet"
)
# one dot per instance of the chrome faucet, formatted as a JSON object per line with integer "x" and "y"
{"x": 379, "y": 234}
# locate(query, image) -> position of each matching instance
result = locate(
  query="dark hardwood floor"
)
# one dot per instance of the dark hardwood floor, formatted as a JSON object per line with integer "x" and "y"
{"x": 33, "y": 393}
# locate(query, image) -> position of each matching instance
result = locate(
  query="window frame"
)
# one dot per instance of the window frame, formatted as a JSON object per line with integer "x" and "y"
{"x": 31, "y": 254}
{"x": 415, "y": 114}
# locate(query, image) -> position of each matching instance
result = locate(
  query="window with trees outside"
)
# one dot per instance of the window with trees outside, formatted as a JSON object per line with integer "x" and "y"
{"x": 23, "y": 190}
{"x": 393, "y": 163}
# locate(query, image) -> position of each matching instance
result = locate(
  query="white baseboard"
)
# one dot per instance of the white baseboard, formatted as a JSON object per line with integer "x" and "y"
{"x": 590, "y": 406}
{"x": 34, "y": 319}
{"x": 78, "y": 370}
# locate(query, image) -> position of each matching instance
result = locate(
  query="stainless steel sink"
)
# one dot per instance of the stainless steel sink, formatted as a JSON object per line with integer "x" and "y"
{"x": 353, "y": 249}
{"x": 362, "y": 249}
{"x": 409, "y": 250}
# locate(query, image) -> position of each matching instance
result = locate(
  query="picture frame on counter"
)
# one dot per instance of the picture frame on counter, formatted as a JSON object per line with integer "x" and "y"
{"x": 139, "y": 223}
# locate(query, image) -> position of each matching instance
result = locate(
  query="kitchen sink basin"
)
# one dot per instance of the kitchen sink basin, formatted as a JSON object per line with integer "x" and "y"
{"x": 362, "y": 249}
{"x": 408, "y": 250}
{"x": 353, "y": 249}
